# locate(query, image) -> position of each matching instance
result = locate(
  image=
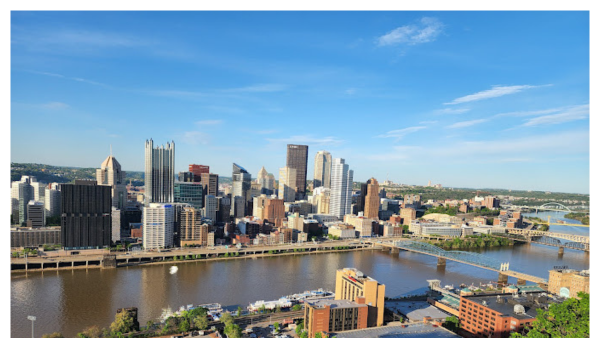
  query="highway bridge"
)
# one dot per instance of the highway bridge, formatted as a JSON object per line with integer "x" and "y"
{"x": 560, "y": 240}
{"x": 470, "y": 258}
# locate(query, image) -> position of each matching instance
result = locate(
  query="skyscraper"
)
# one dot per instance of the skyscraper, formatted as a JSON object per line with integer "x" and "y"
{"x": 322, "y": 175}
{"x": 158, "y": 226}
{"x": 187, "y": 192}
{"x": 25, "y": 193}
{"x": 198, "y": 170}
{"x": 52, "y": 201}
{"x": 85, "y": 215}
{"x": 110, "y": 174}
{"x": 287, "y": 184}
{"x": 159, "y": 173}
{"x": 297, "y": 158}
{"x": 210, "y": 184}
{"x": 360, "y": 204}
{"x": 266, "y": 182}
{"x": 241, "y": 181}
{"x": 372, "y": 199}
{"x": 341, "y": 188}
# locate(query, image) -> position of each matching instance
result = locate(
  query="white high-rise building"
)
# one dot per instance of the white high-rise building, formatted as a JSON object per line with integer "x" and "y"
{"x": 159, "y": 173}
{"x": 287, "y": 184}
{"x": 322, "y": 174}
{"x": 210, "y": 207}
{"x": 158, "y": 226}
{"x": 39, "y": 190}
{"x": 52, "y": 201}
{"x": 22, "y": 191}
{"x": 340, "y": 202}
{"x": 110, "y": 173}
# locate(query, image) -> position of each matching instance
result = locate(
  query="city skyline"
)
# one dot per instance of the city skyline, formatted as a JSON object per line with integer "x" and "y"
{"x": 458, "y": 98}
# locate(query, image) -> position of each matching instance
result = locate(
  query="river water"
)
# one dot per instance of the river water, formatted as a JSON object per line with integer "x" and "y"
{"x": 70, "y": 301}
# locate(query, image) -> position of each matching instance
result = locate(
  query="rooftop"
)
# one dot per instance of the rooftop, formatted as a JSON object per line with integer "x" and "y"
{"x": 334, "y": 304}
{"x": 410, "y": 331}
{"x": 506, "y": 303}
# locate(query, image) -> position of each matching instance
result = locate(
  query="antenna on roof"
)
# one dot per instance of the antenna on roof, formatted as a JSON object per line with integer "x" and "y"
{"x": 111, "y": 150}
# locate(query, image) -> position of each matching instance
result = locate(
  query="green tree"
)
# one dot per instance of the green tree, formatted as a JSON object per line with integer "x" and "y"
{"x": 239, "y": 311}
{"x": 172, "y": 323}
{"x": 226, "y": 318}
{"x": 452, "y": 324}
{"x": 53, "y": 335}
{"x": 184, "y": 326}
{"x": 570, "y": 318}
{"x": 123, "y": 323}
{"x": 233, "y": 331}
{"x": 297, "y": 307}
{"x": 149, "y": 324}
{"x": 299, "y": 328}
{"x": 318, "y": 335}
{"x": 277, "y": 309}
{"x": 304, "y": 334}
{"x": 276, "y": 327}
{"x": 201, "y": 322}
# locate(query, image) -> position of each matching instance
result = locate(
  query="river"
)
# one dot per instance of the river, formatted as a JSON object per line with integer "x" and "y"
{"x": 559, "y": 216}
{"x": 68, "y": 301}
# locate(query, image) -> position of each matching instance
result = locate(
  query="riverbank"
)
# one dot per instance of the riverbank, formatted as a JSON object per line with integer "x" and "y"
{"x": 82, "y": 262}
{"x": 473, "y": 242}
{"x": 579, "y": 216}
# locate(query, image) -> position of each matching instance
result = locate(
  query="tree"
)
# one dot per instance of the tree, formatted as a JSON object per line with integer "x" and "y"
{"x": 172, "y": 323}
{"x": 239, "y": 311}
{"x": 277, "y": 309}
{"x": 297, "y": 307}
{"x": 276, "y": 326}
{"x": 233, "y": 331}
{"x": 91, "y": 332}
{"x": 149, "y": 324}
{"x": 570, "y": 318}
{"x": 53, "y": 335}
{"x": 226, "y": 318}
{"x": 123, "y": 323}
{"x": 184, "y": 326}
{"x": 304, "y": 334}
{"x": 452, "y": 324}
{"x": 318, "y": 335}
{"x": 299, "y": 328}
{"x": 201, "y": 322}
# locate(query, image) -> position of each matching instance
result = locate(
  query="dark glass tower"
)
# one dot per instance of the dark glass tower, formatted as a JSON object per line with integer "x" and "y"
{"x": 297, "y": 158}
{"x": 86, "y": 215}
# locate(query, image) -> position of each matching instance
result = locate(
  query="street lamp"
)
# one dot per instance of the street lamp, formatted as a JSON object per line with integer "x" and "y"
{"x": 32, "y": 318}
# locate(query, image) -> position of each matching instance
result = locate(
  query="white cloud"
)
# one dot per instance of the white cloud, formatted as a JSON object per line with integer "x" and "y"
{"x": 428, "y": 122}
{"x": 195, "y": 137}
{"x": 529, "y": 113}
{"x": 78, "y": 79}
{"x": 308, "y": 140}
{"x": 575, "y": 113}
{"x": 451, "y": 111}
{"x": 398, "y": 134}
{"x": 496, "y": 91}
{"x": 55, "y": 105}
{"x": 209, "y": 122}
{"x": 426, "y": 30}
{"x": 464, "y": 124}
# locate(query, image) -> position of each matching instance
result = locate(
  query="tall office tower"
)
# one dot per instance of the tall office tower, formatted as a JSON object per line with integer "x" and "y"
{"x": 223, "y": 209}
{"x": 85, "y": 215}
{"x": 320, "y": 200}
{"x": 110, "y": 174}
{"x": 116, "y": 224}
{"x": 210, "y": 184}
{"x": 351, "y": 283}
{"x": 297, "y": 158}
{"x": 274, "y": 211}
{"x": 25, "y": 194}
{"x": 322, "y": 170}
{"x": 340, "y": 200}
{"x": 237, "y": 207}
{"x": 198, "y": 170}
{"x": 52, "y": 202}
{"x": 258, "y": 206}
{"x": 35, "y": 214}
{"x": 210, "y": 208}
{"x": 360, "y": 205}
{"x": 372, "y": 199}
{"x": 187, "y": 192}
{"x": 191, "y": 220}
{"x": 241, "y": 186}
{"x": 39, "y": 190}
{"x": 159, "y": 173}
{"x": 186, "y": 176}
{"x": 287, "y": 184}
{"x": 158, "y": 226}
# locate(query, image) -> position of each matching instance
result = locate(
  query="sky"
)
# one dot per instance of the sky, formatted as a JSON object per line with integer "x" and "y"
{"x": 464, "y": 99}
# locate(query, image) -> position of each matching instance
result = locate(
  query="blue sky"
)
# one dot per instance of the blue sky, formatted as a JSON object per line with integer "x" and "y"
{"x": 465, "y": 99}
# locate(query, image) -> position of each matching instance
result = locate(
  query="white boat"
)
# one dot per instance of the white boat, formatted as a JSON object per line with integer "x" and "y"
{"x": 173, "y": 270}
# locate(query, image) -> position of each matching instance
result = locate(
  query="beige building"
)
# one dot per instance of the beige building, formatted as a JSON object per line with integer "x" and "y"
{"x": 320, "y": 200}
{"x": 351, "y": 284}
{"x": 287, "y": 184}
{"x": 363, "y": 225}
{"x": 568, "y": 282}
{"x": 372, "y": 200}
{"x": 193, "y": 232}
{"x": 441, "y": 218}
{"x": 408, "y": 215}
{"x": 342, "y": 231}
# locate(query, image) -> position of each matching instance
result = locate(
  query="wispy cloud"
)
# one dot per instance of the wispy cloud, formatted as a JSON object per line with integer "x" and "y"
{"x": 451, "y": 111}
{"x": 428, "y": 122}
{"x": 529, "y": 113}
{"x": 572, "y": 114}
{"x": 209, "y": 122}
{"x": 195, "y": 137}
{"x": 398, "y": 134}
{"x": 426, "y": 30}
{"x": 496, "y": 91}
{"x": 308, "y": 140}
{"x": 76, "y": 40}
{"x": 464, "y": 124}
{"x": 267, "y": 131}
{"x": 258, "y": 88}
{"x": 54, "y": 105}
{"x": 78, "y": 79}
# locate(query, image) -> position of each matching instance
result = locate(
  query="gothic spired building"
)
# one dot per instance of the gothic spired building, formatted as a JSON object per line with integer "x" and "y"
{"x": 297, "y": 158}
{"x": 159, "y": 173}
